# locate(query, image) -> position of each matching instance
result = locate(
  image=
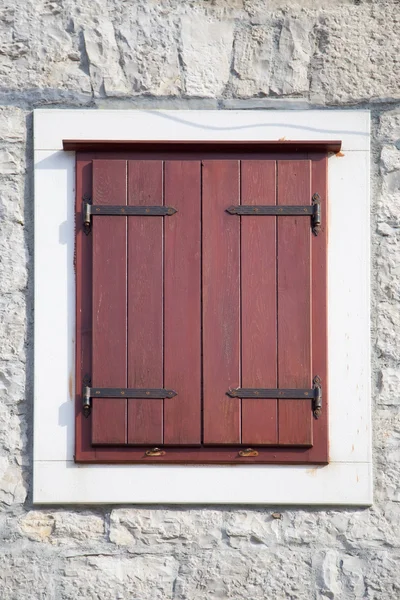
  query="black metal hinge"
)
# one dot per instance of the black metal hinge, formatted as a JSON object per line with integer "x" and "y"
{"x": 147, "y": 393}
{"x": 314, "y": 394}
{"x": 89, "y": 209}
{"x": 314, "y": 211}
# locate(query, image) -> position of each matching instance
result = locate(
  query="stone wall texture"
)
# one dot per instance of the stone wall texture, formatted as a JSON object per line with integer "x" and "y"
{"x": 196, "y": 54}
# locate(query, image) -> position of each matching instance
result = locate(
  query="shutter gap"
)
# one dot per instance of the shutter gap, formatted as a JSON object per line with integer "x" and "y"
{"x": 311, "y": 286}
{"x": 201, "y": 311}
{"x": 163, "y": 299}
{"x": 240, "y": 302}
{"x": 311, "y": 289}
{"x": 277, "y": 296}
{"x": 126, "y": 299}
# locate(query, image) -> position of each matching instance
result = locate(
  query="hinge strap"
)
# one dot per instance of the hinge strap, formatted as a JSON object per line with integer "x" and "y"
{"x": 146, "y": 393}
{"x": 313, "y": 210}
{"x": 89, "y": 209}
{"x": 314, "y": 394}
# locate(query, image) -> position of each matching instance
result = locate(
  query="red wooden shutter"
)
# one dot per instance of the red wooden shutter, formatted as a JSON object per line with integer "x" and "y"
{"x": 257, "y": 302}
{"x": 146, "y": 303}
{"x": 204, "y": 302}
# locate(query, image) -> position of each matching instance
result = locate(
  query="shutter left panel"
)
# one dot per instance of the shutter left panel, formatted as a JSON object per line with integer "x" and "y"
{"x": 109, "y": 302}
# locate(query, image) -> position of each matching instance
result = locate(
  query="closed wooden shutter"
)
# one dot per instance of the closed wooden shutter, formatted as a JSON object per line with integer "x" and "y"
{"x": 146, "y": 303}
{"x": 204, "y": 303}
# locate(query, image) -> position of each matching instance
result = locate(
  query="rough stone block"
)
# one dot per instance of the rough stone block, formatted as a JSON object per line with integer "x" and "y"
{"x": 390, "y": 386}
{"x": 37, "y": 526}
{"x": 206, "y": 55}
{"x": 148, "y": 48}
{"x": 356, "y": 56}
{"x": 102, "y": 51}
{"x": 12, "y": 486}
{"x": 83, "y": 527}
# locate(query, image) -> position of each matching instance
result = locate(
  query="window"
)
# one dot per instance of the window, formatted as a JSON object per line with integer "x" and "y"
{"x": 178, "y": 336}
{"x": 185, "y": 318}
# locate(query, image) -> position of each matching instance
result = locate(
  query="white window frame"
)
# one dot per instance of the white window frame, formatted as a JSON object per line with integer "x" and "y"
{"x": 347, "y": 480}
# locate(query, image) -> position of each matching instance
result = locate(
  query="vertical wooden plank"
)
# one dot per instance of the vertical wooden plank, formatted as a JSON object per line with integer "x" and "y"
{"x": 182, "y": 334}
{"x": 294, "y": 302}
{"x": 145, "y": 301}
{"x": 83, "y": 269}
{"x": 320, "y": 304}
{"x": 258, "y": 284}
{"x": 109, "y": 302}
{"x": 221, "y": 302}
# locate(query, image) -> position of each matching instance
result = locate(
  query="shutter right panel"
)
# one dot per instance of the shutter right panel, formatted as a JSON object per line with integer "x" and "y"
{"x": 294, "y": 302}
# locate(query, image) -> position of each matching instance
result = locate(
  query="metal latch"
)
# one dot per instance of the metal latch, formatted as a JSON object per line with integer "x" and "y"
{"x": 155, "y": 452}
{"x": 248, "y": 452}
{"x": 314, "y": 211}
{"x": 314, "y": 394}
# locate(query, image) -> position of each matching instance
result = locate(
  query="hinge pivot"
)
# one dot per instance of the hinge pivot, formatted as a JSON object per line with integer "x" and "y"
{"x": 86, "y": 205}
{"x": 86, "y": 399}
{"x": 316, "y": 218}
{"x": 317, "y": 401}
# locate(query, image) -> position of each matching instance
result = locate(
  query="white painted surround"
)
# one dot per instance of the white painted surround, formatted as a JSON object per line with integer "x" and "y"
{"x": 347, "y": 480}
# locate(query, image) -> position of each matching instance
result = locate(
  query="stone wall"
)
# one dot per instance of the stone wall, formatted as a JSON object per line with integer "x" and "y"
{"x": 196, "y": 54}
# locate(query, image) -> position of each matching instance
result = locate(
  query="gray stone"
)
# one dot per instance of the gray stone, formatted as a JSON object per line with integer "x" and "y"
{"x": 252, "y": 64}
{"x": 206, "y": 55}
{"x": 12, "y": 124}
{"x": 13, "y": 258}
{"x": 266, "y": 103}
{"x": 326, "y": 565}
{"x": 118, "y": 577}
{"x": 149, "y": 50}
{"x": 293, "y": 56}
{"x": 343, "y": 69}
{"x": 84, "y": 527}
{"x": 389, "y": 127}
{"x": 12, "y": 486}
{"x": 11, "y": 162}
{"x": 37, "y": 526}
{"x": 390, "y": 159}
{"x": 390, "y": 386}
{"x": 274, "y": 57}
{"x": 102, "y": 51}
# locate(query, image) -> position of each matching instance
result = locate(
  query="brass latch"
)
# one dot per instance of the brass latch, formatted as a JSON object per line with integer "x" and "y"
{"x": 248, "y": 452}
{"x": 155, "y": 452}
